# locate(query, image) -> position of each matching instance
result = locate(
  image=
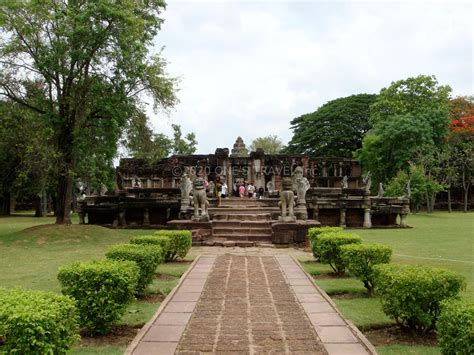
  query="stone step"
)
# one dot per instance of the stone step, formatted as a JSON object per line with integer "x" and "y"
{"x": 252, "y": 238}
{"x": 242, "y": 231}
{"x": 243, "y": 210}
{"x": 241, "y": 217}
{"x": 238, "y": 223}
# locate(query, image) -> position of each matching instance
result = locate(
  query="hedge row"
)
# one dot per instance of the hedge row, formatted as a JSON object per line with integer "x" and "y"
{"x": 416, "y": 297}
{"x": 35, "y": 322}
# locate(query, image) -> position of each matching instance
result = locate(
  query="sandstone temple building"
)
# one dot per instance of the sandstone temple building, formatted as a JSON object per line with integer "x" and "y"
{"x": 148, "y": 195}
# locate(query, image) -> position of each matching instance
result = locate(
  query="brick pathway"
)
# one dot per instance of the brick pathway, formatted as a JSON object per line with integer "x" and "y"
{"x": 248, "y": 304}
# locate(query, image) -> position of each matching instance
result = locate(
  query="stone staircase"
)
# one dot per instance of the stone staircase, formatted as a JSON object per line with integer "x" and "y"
{"x": 243, "y": 220}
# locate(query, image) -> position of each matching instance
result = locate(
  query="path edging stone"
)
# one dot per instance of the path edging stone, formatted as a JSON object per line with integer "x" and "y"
{"x": 132, "y": 346}
{"x": 371, "y": 349}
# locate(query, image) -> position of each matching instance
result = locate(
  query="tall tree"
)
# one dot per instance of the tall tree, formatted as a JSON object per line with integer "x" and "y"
{"x": 390, "y": 146}
{"x": 92, "y": 59}
{"x": 335, "y": 129}
{"x": 414, "y": 96}
{"x": 270, "y": 144}
{"x": 142, "y": 143}
{"x": 461, "y": 106}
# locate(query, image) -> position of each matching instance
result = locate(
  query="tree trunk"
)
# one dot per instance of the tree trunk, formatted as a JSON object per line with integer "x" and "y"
{"x": 433, "y": 202}
{"x": 466, "y": 195}
{"x": 63, "y": 201}
{"x": 449, "y": 201}
{"x": 38, "y": 207}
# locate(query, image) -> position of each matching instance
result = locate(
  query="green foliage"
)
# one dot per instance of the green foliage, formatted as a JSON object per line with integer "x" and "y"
{"x": 361, "y": 258}
{"x": 412, "y": 294}
{"x": 270, "y": 144}
{"x": 142, "y": 143}
{"x": 102, "y": 290}
{"x": 421, "y": 185}
{"x": 35, "y": 322}
{"x": 335, "y": 129}
{"x": 328, "y": 247}
{"x": 91, "y": 64}
{"x": 314, "y": 233}
{"x": 455, "y": 328}
{"x": 415, "y": 95}
{"x": 147, "y": 257}
{"x": 392, "y": 144}
{"x": 160, "y": 240}
{"x": 180, "y": 243}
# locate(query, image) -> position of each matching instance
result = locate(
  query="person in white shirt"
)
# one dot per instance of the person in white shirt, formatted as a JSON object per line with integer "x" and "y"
{"x": 250, "y": 190}
{"x": 224, "y": 190}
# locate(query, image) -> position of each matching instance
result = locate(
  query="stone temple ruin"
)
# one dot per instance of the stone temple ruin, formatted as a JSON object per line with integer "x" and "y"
{"x": 297, "y": 192}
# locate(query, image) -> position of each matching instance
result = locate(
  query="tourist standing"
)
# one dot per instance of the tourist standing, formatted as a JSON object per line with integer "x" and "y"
{"x": 241, "y": 191}
{"x": 250, "y": 190}
{"x": 218, "y": 190}
{"x": 224, "y": 190}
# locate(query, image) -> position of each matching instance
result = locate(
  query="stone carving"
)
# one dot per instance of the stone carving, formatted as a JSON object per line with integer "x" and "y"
{"x": 287, "y": 202}
{"x": 186, "y": 186}
{"x": 301, "y": 185}
{"x": 239, "y": 149}
{"x": 381, "y": 191}
{"x": 344, "y": 182}
{"x": 211, "y": 187}
{"x": 367, "y": 181}
{"x": 407, "y": 189}
{"x": 270, "y": 187}
{"x": 136, "y": 182}
{"x": 200, "y": 200}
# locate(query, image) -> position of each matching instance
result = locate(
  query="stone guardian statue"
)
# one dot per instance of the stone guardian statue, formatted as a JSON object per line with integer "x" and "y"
{"x": 287, "y": 202}
{"x": 200, "y": 200}
{"x": 300, "y": 185}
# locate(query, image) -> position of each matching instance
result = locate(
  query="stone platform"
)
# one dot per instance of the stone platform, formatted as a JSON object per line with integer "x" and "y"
{"x": 248, "y": 304}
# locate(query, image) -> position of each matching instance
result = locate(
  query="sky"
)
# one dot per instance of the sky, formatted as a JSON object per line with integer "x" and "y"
{"x": 247, "y": 68}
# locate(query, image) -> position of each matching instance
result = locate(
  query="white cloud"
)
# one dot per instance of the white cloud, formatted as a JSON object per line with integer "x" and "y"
{"x": 248, "y": 68}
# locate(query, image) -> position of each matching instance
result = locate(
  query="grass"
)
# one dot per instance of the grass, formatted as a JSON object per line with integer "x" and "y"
{"x": 32, "y": 249}
{"x": 439, "y": 239}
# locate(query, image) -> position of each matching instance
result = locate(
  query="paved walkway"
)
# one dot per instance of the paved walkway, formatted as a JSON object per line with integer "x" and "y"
{"x": 248, "y": 304}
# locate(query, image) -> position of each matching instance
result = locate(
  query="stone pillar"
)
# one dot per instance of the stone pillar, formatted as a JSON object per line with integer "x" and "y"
{"x": 403, "y": 220}
{"x": 82, "y": 218}
{"x": 316, "y": 213}
{"x": 367, "y": 219}
{"x": 122, "y": 221}
{"x": 342, "y": 222}
{"x": 146, "y": 217}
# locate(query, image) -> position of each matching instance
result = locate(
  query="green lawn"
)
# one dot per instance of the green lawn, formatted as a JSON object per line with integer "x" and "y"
{"x": 32, "y": 250}
{"x": 438, "y": 239}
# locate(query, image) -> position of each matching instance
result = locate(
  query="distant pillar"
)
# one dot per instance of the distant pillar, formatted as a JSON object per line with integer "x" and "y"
{"x": 122, "y": 221}
{"x": 82, "y": 218}
{"x": 367, "y": 219}
{"x": 343, "y": 218}
{"x": 146, "y": 217}
{"x": 403, "y": 220}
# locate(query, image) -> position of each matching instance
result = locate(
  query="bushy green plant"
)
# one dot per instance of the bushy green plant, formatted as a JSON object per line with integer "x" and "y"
{"x": 411, "y": 294}
{"x": 102, "y": 290}
{"x": 328, "y": 247}
{"x": 361, "y": 258}
{"x": 315, "y": 233}
{"x": 455, "y": 328}
{"x": 147, "y": 257}
{"x": 160, "y": 240}
{"x": 35, "y": 322}
{"x": 180, "y": 243}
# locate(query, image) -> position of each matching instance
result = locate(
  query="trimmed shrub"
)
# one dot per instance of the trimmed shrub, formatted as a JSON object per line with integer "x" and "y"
{"x": 180, "y": 243}
{"x": 315, "y": 233}
{"x": 455, "y": 328}
{"x": 102, "y": 290}
{"x": 160, "y": 240}
{"x": 361, "y": 258}
{"x": 35, "y": 322}
{"x": 328, "y": 248}
{"x": 411, "y": 294}
{"x": 147, "y": 257}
